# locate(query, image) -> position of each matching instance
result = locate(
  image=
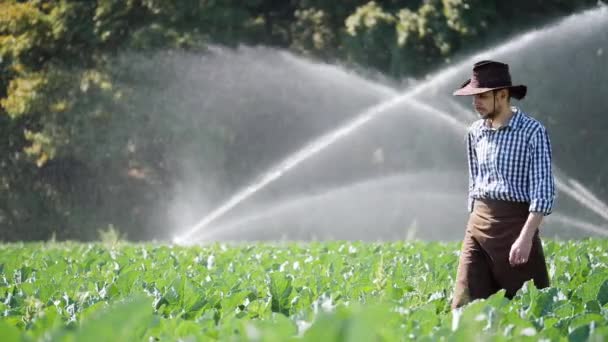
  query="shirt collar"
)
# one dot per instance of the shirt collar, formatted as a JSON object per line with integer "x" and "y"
{"x": 515, "y": 120}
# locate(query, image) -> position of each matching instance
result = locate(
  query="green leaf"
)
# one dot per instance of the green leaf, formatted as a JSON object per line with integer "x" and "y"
{"x": 356, "y": 323}
{"x": 593, "y": 287}
{"x": 426, "y": 318}
{"x": 585, "y": 319}
{"x": 187, "y": 329}
{"x": 599, "y": 334}
{"x": 593, "y": 307}
{"x": 277, "y": 328}
{"x": 8, "y": 332}
{"x": 125, "y": 281}
{"x": 123, "y": 321}
{"x": 564, "y": 310}
{"x": 230, "y": 303}
{"x": 191, "y": 298}
{"x": 543, "y": 302}
{"x": 579, "y": 334}
{"x": 602, "y": 295}
{"x": 48, "y": 320}
{"x": 552, "y": 334}
{"x": 280, "y": 290}
{"x": 23, "y": 274}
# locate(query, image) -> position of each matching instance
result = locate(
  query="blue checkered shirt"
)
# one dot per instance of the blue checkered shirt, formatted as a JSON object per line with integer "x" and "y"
{"x": 512, "y": 163}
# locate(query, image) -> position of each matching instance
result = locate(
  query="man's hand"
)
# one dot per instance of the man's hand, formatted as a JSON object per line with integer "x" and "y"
{"x": 520, "y": 251}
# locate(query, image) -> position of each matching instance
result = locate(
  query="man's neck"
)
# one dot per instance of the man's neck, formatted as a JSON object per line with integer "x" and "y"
{"x": 502, "y": 118}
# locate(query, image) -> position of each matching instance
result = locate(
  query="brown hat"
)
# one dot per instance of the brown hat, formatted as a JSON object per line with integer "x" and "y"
{"x": 490, "y": 75}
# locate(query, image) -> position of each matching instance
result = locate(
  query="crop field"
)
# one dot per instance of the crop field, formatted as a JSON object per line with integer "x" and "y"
{"x": 321, "y": 291}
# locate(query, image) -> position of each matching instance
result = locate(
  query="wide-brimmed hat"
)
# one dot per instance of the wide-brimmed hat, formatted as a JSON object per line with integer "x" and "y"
{"x": 490, "y": 75}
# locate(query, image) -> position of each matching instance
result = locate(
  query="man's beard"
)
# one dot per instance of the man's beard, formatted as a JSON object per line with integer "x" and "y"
{"x": 491, "y": 115}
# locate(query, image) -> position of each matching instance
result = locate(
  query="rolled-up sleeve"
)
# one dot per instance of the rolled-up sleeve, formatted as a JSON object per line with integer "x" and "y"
{"x": 542, "y": 184}
{"x": 473, "y": 169}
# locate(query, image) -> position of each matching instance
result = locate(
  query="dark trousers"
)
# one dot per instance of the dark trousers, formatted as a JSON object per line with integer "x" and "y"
{"x": 484, "y": 266}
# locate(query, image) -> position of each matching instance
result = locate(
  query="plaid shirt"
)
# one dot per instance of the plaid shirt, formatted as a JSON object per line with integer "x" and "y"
{"x": 512, "y": 163}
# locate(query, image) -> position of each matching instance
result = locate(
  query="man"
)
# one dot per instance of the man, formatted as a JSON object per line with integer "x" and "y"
{"x": 511, "y": 189}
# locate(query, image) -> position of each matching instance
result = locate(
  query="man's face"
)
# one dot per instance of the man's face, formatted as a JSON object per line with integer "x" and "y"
{"x": 484, "y": 104}
{"x": 487, "y": 106}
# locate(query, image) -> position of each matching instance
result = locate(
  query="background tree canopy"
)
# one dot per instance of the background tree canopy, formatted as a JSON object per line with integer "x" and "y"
{"x": 75, "y": 155}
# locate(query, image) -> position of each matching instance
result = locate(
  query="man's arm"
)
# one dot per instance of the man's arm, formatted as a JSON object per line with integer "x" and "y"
{"x": 542, "y": 186}
{"x": 542, "y": 195}
{"x": 473, "y": 168}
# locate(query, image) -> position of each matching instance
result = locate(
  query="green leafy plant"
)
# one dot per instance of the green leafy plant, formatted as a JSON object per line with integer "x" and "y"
{"x": 339, "y": 291}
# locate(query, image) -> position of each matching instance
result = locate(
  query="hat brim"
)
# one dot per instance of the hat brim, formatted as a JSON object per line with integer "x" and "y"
{"x": 516, "y": 91}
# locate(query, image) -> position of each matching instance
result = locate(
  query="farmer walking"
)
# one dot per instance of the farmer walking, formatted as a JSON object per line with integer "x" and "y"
{"x": 511, "y": 189}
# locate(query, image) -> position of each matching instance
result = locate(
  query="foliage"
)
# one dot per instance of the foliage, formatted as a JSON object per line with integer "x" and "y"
{"x": 337, "y": 291}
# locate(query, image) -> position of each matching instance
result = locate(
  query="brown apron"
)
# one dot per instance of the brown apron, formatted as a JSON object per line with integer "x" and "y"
{"x": 484, "y": 266}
